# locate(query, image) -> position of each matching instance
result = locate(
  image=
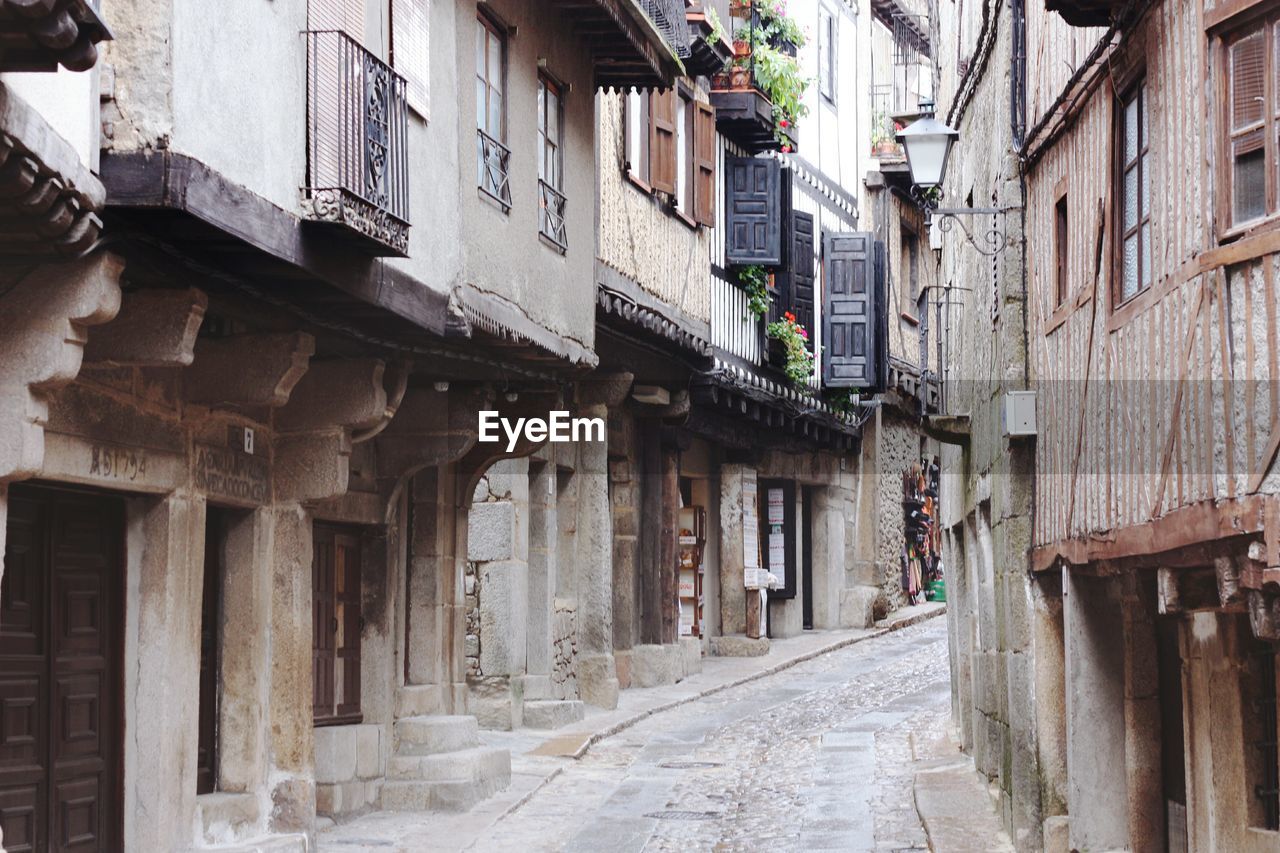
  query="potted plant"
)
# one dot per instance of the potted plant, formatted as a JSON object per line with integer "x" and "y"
{"x": 755, "y": 281}
{"x": 799, "y": 362}
{"x": 883, "y": 142}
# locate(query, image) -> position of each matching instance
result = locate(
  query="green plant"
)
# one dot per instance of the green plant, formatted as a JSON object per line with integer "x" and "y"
{"x": 755, "y": 281}
{"x": 777, "y": 73}
{"x": 717, "y": 33}
{"x": 795, "y": 343}
{"x": 844, "y": 401}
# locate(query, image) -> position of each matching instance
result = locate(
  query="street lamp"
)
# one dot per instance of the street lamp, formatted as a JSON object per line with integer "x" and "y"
{"x": 928, "y": 143}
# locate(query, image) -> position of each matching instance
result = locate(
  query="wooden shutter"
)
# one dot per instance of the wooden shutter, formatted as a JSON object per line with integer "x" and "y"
{"x": 853, "y": 302}
{"x": 801, "y": 273}
{"x": 322, "y": 624}
{"x": 346, "y": 574}
{"x": 662, "y": 140}
{"x": 753, "y": 211}
{"x": 409, "y": 49}
{"x": 704, "y": 164}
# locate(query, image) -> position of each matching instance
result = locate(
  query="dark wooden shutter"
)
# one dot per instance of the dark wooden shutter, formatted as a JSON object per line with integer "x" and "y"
{"x": 853, "y": 300}
{"x": 346, "y": 575}
{"x": 322, "y": 624}
{"x": 662, "y": 140}
{"x": 801, "y": 273}
{"x": 753, "y": 211}
{"x": 704, "y": 164}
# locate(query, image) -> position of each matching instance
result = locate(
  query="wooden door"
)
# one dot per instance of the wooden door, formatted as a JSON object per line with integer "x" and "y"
{"x": 60, "y": 646}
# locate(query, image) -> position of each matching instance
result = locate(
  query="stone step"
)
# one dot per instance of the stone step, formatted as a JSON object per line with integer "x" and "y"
{"x": 552, "y": 713}
{"x": 269, "y": 844}
{"x": 465, "y": 765}
{"x": 226, "y": 817}
{"x": 429, "y": 735}
{"x": 455, "y": 796}
{"x": 419, "y": 700}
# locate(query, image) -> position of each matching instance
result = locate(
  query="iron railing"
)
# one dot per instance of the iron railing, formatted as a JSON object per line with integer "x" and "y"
{"x": 493, "y": 161}
{"x": 357, "y": 145}
{"x": 551, "y": 218}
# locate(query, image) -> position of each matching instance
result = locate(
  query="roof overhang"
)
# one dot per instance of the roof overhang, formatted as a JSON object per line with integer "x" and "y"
{"x": 40, "y": 35}
{"x": 627, "y": 48}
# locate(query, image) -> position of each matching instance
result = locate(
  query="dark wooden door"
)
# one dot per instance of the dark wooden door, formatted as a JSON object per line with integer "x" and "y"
{"x": 210, "y": 629}
{"x": 60, "y": 646}
{"x": 806, "y": 558}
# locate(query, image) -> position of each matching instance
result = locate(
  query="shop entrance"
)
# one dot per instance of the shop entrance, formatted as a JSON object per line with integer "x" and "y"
{"x": 61, "y": 618}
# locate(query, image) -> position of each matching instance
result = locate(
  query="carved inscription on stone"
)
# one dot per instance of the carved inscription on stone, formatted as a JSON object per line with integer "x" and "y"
{"x": 231, "y": 475}
{"x": 117, "y": 463}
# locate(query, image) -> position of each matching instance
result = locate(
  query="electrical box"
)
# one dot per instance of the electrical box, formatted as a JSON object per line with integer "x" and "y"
{"x": 1019, "y": 414}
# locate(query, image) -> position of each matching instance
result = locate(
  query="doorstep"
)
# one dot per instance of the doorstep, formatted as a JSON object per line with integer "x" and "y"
{"x": 537, "y": 757}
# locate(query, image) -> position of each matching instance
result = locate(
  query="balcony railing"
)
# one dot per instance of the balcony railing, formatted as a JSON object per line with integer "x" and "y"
{"x": 551, "y": 219}
{"x": 494, "y": 160}
{"x": 357, "y": 146}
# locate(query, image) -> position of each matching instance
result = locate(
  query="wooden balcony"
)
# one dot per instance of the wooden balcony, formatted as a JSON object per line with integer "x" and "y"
{"x": 40, "y": 36}
{"x": 633, "y": 43}
{"x": 1085, "y": 13}
{"x": 357, "y": 152}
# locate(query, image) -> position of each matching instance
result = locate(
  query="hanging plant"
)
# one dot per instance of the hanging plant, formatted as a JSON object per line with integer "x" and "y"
{"x": 795, "y": 342}
{"x": 717, "y": 33}
{"x": 844, "y": 401}
{"x": 755, "y": 281}
{"x": 774, "y": 39}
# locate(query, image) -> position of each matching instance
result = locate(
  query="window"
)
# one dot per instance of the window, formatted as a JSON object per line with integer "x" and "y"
{"x": 827, "y": 54}
{"x": 1060, "y": 251}
{"x": 684, "y": 155}
{"x": 551, "y": 198}
{"x": 493, "y": 157}
{"x": 669, "y": 142}
{"x": 409, "y": 21}
{"x": 637, "y": 141}
{"x": 1251, "y": 111}
{"x": 335, "y": 626}
{"x": 910, "y": 275}
{"x": 1134, "y": 202}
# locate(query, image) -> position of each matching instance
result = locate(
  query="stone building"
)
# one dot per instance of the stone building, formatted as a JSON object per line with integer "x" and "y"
{"x": 242, "y": 501}
{"x": 1113, "y": 625}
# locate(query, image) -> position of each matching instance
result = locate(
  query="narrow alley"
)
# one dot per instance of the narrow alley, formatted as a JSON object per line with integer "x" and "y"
{"x": 819, "y": 756}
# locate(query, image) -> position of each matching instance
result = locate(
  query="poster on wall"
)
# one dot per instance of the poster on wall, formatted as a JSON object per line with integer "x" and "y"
{"x": 776, "y": 515}
{"x": 750, "y": 529}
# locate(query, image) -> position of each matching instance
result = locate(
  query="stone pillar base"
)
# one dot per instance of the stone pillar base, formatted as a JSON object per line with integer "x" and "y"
{"x": 739, "y": 646}
{"x": 496, "y": 702}
{"x": 655, "y": 665}
{"x": 598, "y": 680}
{"x": 857, "y": 606}
{"x": 691, "y": 655}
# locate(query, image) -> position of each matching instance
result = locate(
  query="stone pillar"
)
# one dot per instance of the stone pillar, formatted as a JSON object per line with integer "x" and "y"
{"x": 733, "y": 600}
{"x": 245, "y": 652}
{"x": 597, "y": 674}
{"x": 1097, "y": 790}
{"x": 166, "y": 547}
{"x": 432, "y": 556}
{"x": 542, "y": 581}
{"x": 291, "y": 738}
{"x": 827, "y": 529}
{"x": 669, "y": 604}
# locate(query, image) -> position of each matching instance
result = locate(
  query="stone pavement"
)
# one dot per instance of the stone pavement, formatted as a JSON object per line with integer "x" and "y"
{"x": 955, "y": 807}
{"x": 837, "y": 714}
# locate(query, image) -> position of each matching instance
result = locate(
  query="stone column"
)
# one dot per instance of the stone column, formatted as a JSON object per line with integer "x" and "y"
{"x": 542, "y": 581}
{"x": 733, "y": 600}
{"x": 827, "y": 529}
{"x": 625, "y": 505}
{"x": 1143, "y": 747}
{"x": 291, "y": 738}
{"x": 597, "y": 674}
{"x": 245, "y": 652}
{"x": 162, "y": 681}
{"x": 1096, "y": 790}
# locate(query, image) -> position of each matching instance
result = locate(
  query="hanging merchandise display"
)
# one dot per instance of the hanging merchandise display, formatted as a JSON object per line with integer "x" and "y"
{"x": 922, "y": 578}
{"x": 692, "y": 546}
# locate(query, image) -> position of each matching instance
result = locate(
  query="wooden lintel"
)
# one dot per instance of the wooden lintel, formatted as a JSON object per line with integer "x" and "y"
{"x": 948, "y": 429}
{"x": 1151, "y": 543}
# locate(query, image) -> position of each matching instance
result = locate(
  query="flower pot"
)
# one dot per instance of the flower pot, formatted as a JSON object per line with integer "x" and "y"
{"x": 739, "y": 77}
{"x": 740, "y": 8}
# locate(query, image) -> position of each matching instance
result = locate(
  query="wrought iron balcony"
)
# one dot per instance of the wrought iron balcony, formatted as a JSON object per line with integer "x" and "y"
{"x": 493, "y": 160}
{"x": 357, "y": 146}
{"x": 551, "y": 218}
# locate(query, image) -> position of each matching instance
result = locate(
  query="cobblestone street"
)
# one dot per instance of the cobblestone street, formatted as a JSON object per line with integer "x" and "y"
{"x": 815, "y": 757}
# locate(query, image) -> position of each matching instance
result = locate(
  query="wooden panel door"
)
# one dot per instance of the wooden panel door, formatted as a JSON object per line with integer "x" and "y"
{"x": 60, "y": 646}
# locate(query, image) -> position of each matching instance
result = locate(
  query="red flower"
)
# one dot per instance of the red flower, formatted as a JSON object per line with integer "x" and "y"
{"x": 784, "y": 123}
{"x": 786, "y": 149}
{"x": 790, "y": 316}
